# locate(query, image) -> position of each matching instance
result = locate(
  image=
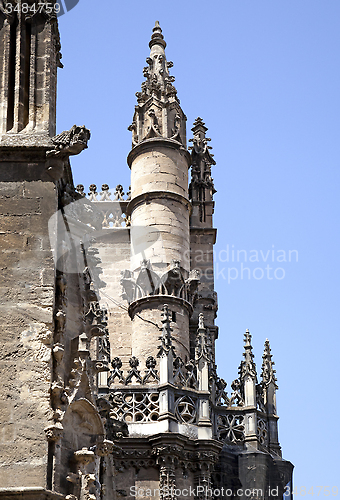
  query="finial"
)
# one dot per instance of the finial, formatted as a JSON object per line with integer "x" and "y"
{"x": 199, "y": 123}
{"x": 203, "y": 347}
{"x": 268, "y": 372}
{"x": 157, "y": 37}
{"x": 157, "y": 94}
{"x": 200, "y": 141}
{"x": 247, "y": 367}
{"x": 247, "y": 339}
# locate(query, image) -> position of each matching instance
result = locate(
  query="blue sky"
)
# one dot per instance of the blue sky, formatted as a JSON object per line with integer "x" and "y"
{"x": 264, "y": 76}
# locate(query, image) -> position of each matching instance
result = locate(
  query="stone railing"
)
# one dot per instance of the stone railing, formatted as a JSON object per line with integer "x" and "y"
{"x": 105, "y": 194}
{"x": 110, "y": 207}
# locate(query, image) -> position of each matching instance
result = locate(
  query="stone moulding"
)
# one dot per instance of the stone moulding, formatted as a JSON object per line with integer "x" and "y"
{"x": 29, "y": 493}
{"x": 154, "y": 300}
{"x": 173, "y": 283}
{"x": 153, "y": 195}
{"x": 151, "y": 144}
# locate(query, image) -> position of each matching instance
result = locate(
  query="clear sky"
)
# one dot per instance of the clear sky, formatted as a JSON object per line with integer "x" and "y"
{"x": 264, "y": 76}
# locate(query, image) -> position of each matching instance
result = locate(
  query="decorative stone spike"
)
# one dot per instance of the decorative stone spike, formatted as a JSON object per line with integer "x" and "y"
{"x": 268, "y": 372}
{"x": 105, "y": 193}
{"x": 203, "y": 360}
{"x": 166, "y": 351}
{"x": 248, "y": 381}
{"x": 201, "y": 341}
{"x": 247, "y": 367}
{"x": 93, "y": 192}
{"x": 80, "y": 189}
{"x": 201, "y": 189}
{"x": 269, "y": 387}
{"x": 158, "y": 113}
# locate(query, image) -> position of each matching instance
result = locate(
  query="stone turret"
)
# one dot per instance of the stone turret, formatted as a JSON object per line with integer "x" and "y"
{"x": 159, "y": 208}
{"x": 202, "y": 231}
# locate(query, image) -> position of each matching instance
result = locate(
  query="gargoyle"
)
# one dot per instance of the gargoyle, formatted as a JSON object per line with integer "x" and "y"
{"x": 69, "y": 142}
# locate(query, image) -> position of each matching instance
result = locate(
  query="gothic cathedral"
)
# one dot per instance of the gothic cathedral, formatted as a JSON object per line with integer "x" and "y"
{"x": 109, "y": 387}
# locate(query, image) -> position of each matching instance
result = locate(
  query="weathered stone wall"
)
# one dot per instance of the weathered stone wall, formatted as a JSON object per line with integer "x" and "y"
{"x": 146, "y": 342}
{"x": 161, "y": 235}
{"x": 158, "y": 167}
{"x": 27, "y": 200}
{"x": 114, "y": 254}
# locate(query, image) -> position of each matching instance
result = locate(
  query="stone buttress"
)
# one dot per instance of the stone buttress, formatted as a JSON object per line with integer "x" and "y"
{"x": 54, "y": 443}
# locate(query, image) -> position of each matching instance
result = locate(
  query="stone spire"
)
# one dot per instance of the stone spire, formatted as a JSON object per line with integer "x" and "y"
{"x": 158, "y": 113}
{"x": 268, "y": 372}
{"x": 201, "y": 189}
{"x": 202, "y": 348}
{"x": 269, "y": 388}
{"x": 247, "y": 366}
{"x": 166, "y": 352}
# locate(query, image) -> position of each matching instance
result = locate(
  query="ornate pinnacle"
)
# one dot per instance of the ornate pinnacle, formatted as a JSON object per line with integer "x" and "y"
{"x": 166, "y": 339}
{"x": 158, "y": 92}
{"x": 158, "y": 82}
{"x": 268, "y": 372}
{"x": 247, "y": 367}
{"x": 202, "y": 348}
{"x": 200, "y": 141}
{"x": 202, "y": 184}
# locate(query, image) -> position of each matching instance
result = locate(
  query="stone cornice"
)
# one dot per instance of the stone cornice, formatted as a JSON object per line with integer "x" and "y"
{"x": 158, "y": 299}
{"x": 151, "y": 144}
{"x": 161, "y": 195}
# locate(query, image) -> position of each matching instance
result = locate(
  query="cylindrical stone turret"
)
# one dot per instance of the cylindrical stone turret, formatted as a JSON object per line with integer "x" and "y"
{"x": 159, "y": 209}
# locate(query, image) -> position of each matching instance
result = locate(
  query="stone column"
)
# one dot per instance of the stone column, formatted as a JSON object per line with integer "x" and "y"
{"x": 160, "y": 237}
{"x": 54, "y": 434}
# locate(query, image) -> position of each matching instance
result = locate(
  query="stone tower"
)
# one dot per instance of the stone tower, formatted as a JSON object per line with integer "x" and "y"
{"x": 102, "y": 404}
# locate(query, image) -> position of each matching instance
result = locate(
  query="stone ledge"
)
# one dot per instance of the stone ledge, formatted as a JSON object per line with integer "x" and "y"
{"x": 151, "y": 196}
{"x": 156, "y": 300}
{"x": 31, "y": 493}
{"x": 150, "y": 144}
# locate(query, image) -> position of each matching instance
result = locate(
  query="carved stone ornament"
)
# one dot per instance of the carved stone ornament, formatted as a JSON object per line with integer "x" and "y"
{"x": 70, "y": 142}
{"x": 158, "y": 113}
{"x": 268, "y": 372}
{"x": 247, "y": 366}
{"x": 54, "y": 432}
{"x": 174, "y": 282}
